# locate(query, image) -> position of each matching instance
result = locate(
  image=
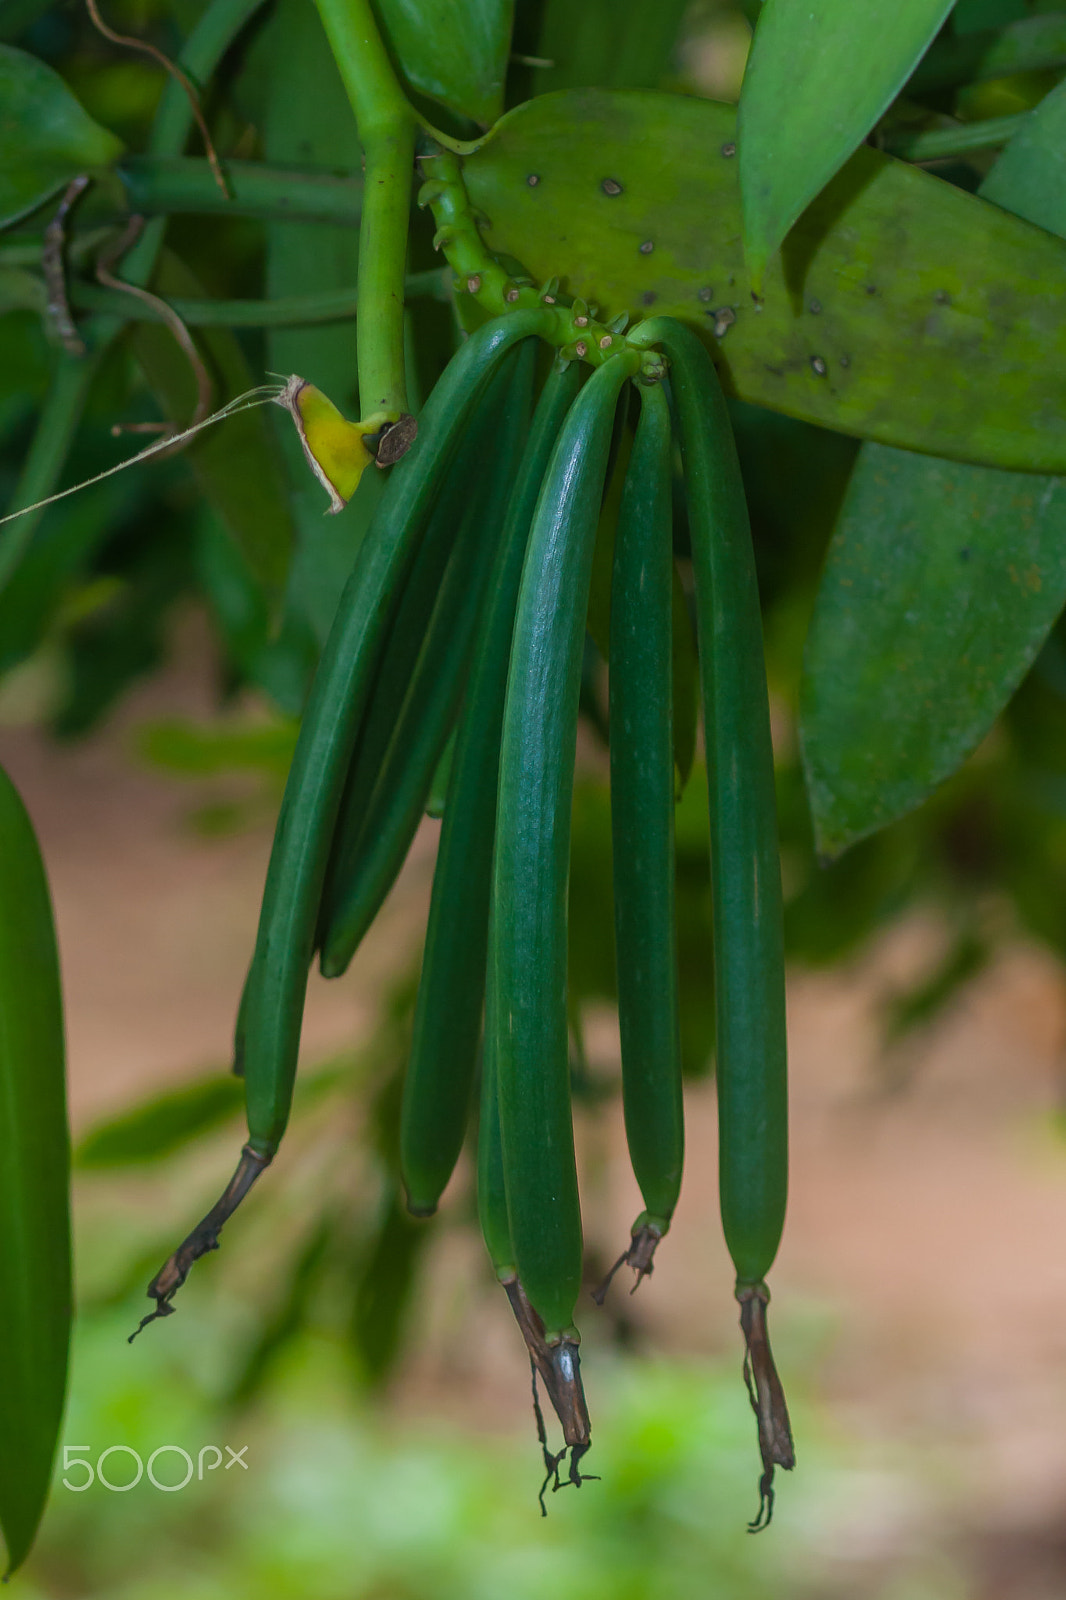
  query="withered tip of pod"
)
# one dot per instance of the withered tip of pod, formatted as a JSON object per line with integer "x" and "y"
{"x": 639, "y": 1256}
{"x": 767, "y": 1397}
{"x": 204, "y": 1237}
{"x": 558, "y": 1366}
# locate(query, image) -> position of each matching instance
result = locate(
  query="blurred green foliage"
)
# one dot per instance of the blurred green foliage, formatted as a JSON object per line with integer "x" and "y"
{"x": 341, "y": 1496}
{"x": 338, "y": 1499}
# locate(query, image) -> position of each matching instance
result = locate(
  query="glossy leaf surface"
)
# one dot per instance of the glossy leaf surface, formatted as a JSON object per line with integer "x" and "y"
{"x": 941, "y": 584}
{"x": 817, "y": 79}
{"x": 46, "y": 137}
{"x": 454, "y": 51}
{"x": 35, "y": 1290}
{"x": 889, "y": 286}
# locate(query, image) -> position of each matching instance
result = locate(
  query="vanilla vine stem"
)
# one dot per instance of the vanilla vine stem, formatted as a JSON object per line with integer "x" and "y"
{"x": 574, "y": 328}
{"x": 388, "y": 125}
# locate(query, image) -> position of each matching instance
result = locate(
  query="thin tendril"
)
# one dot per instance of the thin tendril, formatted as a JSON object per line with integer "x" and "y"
{"x": 263, "y": 394}
{"x": 53, "y": 267}
{"x": 179, "y": 77}
{"x": 104, "y": 275}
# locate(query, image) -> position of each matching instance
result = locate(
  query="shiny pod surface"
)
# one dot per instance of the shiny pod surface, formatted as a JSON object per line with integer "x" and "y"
{"x": 901, "y": 309}
{"x": 527, "y": 968}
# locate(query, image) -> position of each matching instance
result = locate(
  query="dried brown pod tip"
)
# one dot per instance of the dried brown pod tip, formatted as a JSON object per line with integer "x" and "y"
{"x": 767, "y": 1397}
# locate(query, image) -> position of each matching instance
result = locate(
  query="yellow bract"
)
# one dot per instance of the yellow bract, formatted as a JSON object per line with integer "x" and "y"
{"x": 335, "y": 448}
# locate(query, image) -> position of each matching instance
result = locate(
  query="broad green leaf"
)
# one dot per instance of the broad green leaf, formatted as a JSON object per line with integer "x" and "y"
{"x": 35, "y": 1290}
{"x": 46, "y": 138}
{"x": 941, "y": 584}
{"x": 163, "y": 1124}
{"x": 891, "y": 284}
{"x": 818, "y": 78}
{"x": 454, "y": 51}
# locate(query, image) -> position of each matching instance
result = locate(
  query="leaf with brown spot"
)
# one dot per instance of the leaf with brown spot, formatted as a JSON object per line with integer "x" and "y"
{"x": 941, "y": 584}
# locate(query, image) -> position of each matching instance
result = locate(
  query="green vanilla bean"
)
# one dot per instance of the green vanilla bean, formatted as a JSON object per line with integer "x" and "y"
{"x": 334, "y": 710}
{"x": 416, "y": 619}
{"x": 527, "y": 965}
{"x": 158, "y": 185}
{"x": 443, "y": 1058}
{"x": 375, "y": 830}
{"x": 272, "y": 1008}
{"x": 491, "y": 1184}
{"x": 526, "y": 977}
{"x": 556, "y": 1365}
{"x": 642, "y": 824}
{"x": 402, "y": 668}
{"x": 749, "y": 965}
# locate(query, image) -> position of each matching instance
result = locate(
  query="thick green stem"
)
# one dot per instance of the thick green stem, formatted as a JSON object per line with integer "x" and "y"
{"x": 364, "y": 65}
{"x": 390, "y": 157}
{"x": 573, "y": 328}
{"x": 387, "y": 129}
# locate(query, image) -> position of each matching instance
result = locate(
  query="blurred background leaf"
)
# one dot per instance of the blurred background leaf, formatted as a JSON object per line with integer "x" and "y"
{"x": 941, "y": 584}
{"x": 46, "y": 138}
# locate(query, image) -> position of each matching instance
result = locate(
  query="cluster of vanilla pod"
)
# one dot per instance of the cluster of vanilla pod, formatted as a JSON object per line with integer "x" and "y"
{"x": 459, "y": 636}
